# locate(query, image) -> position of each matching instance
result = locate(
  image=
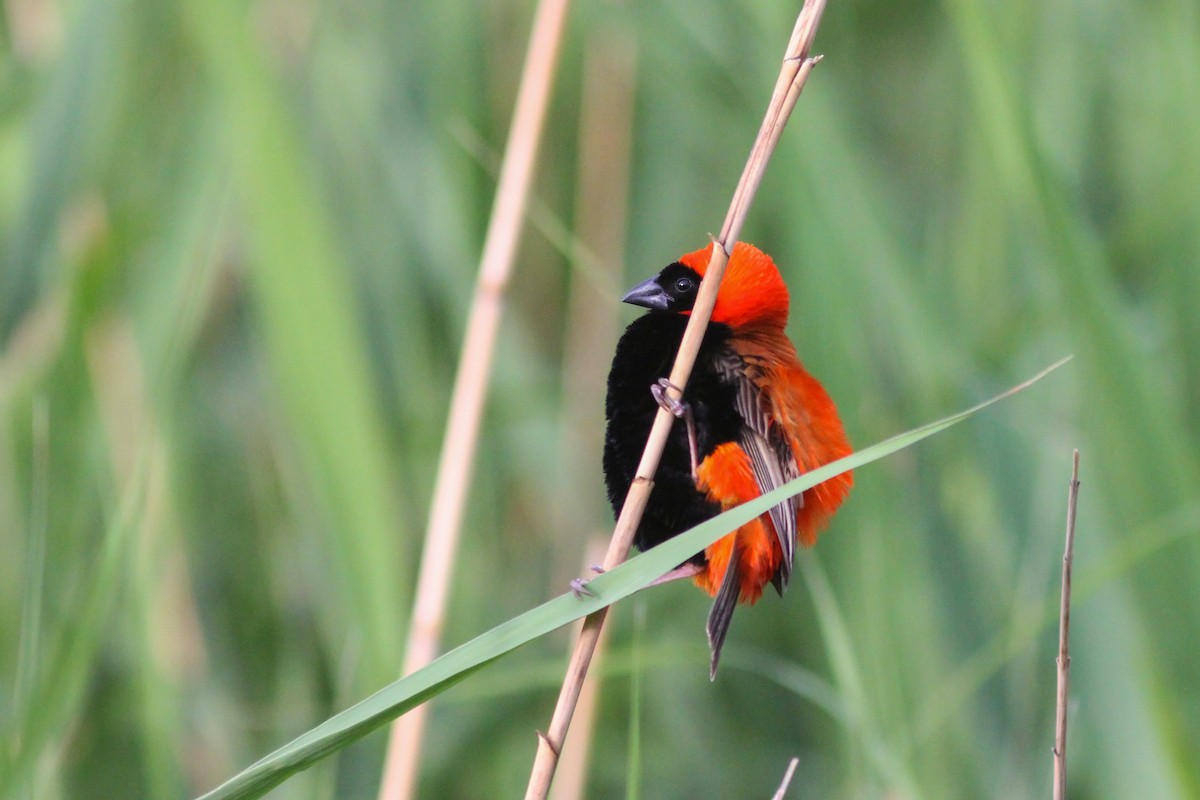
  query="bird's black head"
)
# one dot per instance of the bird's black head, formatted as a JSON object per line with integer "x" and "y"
{"x": 674, "y": 289}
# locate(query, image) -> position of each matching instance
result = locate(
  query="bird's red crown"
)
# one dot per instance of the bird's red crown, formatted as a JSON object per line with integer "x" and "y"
{"x": 752, "y": 292}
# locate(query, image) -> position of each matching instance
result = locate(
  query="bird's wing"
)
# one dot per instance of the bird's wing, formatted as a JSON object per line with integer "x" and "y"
{"x": 766, "y": 445}
{"x": 723, "y": 607}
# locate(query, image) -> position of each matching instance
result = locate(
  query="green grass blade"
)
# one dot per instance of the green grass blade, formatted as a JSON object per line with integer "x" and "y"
{"x": 61, "y": 142}
{"x": 56, "y": 692}
{"x": 312, "y": 327}
{"x": 400, "y": 696}
{"x": 853, "y": 693}
{"x": 633, "y": 759}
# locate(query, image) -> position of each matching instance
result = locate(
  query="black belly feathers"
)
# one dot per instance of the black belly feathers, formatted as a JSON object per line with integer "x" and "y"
{"x": 644, "y": 354}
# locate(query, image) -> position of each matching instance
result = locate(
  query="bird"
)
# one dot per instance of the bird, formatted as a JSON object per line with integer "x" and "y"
{"x": 755, "y": 419}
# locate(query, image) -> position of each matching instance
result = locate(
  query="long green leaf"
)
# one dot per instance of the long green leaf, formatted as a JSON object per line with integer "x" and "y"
{"x": 402, "y": 695}
{"x": 312, "y": 330}
{"x": 55, "y": 694}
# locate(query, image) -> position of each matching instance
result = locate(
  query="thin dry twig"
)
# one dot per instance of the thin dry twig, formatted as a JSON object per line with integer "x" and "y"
{"x": 787, "y": 779}
{"x": 470, "y": 384}
{"x": 1064, "y": 624}
{"x": 572, "y": 778}
{"x": 605, "y": 143}
{"x": 794, "y": 73}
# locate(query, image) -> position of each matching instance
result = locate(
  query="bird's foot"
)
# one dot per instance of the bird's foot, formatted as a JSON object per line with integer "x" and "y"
{"x": 579, "y": 587}
{"x": 682, "y": 410}
{"x": 678, "y": 407}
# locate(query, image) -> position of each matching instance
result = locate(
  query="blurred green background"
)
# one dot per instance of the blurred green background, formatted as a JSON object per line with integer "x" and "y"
{"x": 238, "y": 246}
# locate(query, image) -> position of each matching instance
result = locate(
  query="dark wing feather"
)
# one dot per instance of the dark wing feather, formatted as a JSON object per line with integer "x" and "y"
{"x": 722, "y": 610}
{"x": 771, "y": 458}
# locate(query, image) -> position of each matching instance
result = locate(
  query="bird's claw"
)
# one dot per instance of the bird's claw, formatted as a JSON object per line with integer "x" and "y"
{"x": 579, "y": 587}
{"x": 682, "y": 410}
{"x": 678, "y": 407}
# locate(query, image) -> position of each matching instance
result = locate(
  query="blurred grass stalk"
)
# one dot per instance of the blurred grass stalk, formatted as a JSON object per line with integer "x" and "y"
{"x": 602, "y": 201}
{"x": 1062, "y": 696}
{"x": 300, "y": 284}
{"x": 401, "y": 767}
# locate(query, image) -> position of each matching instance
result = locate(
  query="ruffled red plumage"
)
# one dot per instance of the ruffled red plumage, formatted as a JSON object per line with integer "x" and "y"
{"x": 761, "y": 419}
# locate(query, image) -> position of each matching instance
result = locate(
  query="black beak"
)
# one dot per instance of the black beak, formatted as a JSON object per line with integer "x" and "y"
{"x": 648, "y": 294}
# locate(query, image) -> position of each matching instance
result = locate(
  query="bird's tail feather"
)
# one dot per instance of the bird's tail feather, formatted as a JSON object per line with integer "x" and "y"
{"x": 722, "y": 609}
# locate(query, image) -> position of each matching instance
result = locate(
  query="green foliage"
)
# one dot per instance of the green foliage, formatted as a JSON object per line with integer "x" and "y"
{"x": 238, "y": 241}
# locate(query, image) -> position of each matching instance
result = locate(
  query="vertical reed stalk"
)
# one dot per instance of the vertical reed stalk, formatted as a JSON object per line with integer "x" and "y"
{"x": 573, "y": 774}
{"x": 605, "y": 144}
{"x": 470, "y": 385}
{"x": 794, "y": 73}
{"x": 1064, "y": 625}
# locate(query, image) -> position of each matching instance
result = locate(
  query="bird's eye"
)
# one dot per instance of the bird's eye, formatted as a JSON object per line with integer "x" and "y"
{"x": 684, "y": 285}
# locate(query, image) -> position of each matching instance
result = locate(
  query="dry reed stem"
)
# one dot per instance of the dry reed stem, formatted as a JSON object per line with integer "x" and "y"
{"x": 572, "y": 778}
{"x": 1064, "y": 625}
{"x": 605, "y": 144}
{"x": 605, "y": 141}
{"x": 787, "y": 779}
{"x": 794, "y": 73}
{"x": 470, "y": 385}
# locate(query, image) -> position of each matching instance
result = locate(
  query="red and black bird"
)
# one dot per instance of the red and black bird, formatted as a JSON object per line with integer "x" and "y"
{"x": 758, "y": 420}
